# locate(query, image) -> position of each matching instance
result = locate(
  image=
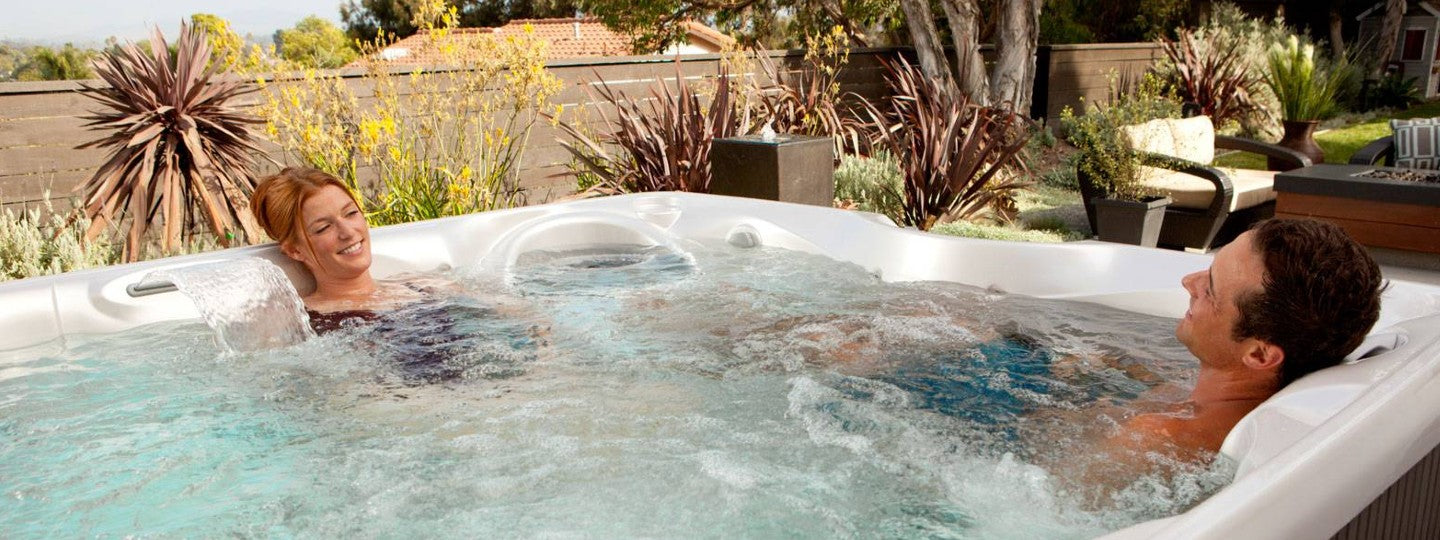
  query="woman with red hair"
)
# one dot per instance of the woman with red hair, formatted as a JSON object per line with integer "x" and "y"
{"x": 318, "y": 222}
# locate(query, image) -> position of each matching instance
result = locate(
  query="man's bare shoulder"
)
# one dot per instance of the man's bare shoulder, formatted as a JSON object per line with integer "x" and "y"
{"x": 1178, "y": 435}
{"x": 1162, "y": 424}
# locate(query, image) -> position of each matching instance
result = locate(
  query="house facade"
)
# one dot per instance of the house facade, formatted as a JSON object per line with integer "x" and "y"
{"x": 1417, "y": 49}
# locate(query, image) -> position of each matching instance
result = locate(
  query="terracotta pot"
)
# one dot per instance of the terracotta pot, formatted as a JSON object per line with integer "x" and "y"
{"x": 1300, "y": 137}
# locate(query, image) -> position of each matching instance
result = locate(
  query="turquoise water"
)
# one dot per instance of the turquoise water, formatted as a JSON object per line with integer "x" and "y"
{"x": 728, "y": 393}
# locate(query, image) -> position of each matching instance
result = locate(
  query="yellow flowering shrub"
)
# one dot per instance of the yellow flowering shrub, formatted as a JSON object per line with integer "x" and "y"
{"x": 425, "y": 143}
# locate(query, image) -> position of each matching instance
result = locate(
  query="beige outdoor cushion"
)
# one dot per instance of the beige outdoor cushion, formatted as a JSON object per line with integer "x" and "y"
{"x": 1252, "y": 188}
{"x": 1187, "y": 138}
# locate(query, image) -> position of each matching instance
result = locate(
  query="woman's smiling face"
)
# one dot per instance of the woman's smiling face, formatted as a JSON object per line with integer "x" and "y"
{"x": 336, "y": 233}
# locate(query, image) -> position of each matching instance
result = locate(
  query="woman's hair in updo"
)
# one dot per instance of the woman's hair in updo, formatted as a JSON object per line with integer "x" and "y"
{"x": 277, "y": 199}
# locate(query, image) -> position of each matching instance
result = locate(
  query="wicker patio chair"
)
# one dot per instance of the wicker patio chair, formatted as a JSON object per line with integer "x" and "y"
{"x": 1413, "y": 143}
{"x": 1210, "y": 205}
{"x": 1379, "y": 152}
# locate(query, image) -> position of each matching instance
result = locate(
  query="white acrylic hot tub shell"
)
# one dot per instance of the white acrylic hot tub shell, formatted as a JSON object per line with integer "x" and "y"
{"x": 1310, "y": 458}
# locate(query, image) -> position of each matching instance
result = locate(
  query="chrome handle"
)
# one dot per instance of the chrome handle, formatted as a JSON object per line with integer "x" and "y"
{"x": 147, "y": 288}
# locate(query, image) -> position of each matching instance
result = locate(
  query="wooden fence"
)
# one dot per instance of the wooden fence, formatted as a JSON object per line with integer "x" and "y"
{"x": 40, "y": 123}
{"x": 1069, "y": 74}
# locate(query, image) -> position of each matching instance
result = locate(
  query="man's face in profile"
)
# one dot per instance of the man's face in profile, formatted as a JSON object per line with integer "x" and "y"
{"x": 1208, "y": 326}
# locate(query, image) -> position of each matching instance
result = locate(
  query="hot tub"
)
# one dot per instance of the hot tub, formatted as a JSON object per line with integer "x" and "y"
{"x": 1309, "y": 460}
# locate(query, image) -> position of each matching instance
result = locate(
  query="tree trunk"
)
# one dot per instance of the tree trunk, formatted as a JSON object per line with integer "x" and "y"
{"x": 1389, "y": 33}
{"x": 1337, "y": 35}
{"x": 964, "y": 17}
{"x": 926, "y": 37}
{"x": 1016, "y": 35}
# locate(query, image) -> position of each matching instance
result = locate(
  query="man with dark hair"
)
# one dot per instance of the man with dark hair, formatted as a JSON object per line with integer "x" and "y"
{"x": 1286, "y": 298}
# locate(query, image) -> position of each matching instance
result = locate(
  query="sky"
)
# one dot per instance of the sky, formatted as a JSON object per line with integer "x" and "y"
{"x": 89, "y": 22}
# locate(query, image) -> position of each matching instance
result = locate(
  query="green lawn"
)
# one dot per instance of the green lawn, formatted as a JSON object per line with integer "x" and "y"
{"x": 1339, "y": 144}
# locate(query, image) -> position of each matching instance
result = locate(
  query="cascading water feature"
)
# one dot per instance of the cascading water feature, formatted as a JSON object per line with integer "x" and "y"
{"x": 248, "y": 302}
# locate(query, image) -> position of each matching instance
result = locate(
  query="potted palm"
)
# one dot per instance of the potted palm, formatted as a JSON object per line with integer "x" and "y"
{"x": 1305, "y": 92}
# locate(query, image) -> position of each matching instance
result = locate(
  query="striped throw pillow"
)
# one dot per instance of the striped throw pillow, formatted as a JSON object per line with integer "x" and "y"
{"x": 1417, "y": 143}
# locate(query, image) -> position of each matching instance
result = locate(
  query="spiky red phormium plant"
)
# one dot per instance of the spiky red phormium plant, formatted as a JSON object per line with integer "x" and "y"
{"x": 664, "y": 142}
{"x": 179, "y": 153}
{"x": 808, "y": 101}
{"x": 1211, "y": 73}
{"x": 952, "y": 150}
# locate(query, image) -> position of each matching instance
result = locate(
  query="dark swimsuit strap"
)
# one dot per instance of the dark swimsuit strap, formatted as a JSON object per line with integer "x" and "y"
{"x": 331, "y": 321}
{"x": 324, "y": 323}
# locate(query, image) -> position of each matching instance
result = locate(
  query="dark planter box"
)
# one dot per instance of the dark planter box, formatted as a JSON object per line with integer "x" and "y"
{"x": 1130, "y": 222}
{"x": 791, "y": 168}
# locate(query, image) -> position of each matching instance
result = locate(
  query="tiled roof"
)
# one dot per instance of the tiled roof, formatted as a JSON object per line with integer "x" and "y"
{"x": 568, "y": 38}
{"x": 572, "y": 38}
{"x": 421, "y": 50}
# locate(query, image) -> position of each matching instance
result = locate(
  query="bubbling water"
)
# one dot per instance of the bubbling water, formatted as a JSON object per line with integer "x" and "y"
{"x": 601, "y": 270}
{"x": 612, "y": 393}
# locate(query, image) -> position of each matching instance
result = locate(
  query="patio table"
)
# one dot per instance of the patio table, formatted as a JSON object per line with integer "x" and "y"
{"x": 1381, "y": 212}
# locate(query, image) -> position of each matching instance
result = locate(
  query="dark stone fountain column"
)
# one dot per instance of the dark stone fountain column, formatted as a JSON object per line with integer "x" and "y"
{"x": 790, "y": 168}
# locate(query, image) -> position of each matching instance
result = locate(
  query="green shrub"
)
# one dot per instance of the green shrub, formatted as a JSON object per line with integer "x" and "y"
{"x": 60, "y": 64}
{"x": 1394, "y": 91}
{"x": 316, "y": 43}
{"x": 1043, "y": 138}
{"x": 872, "y": 183}
{"x": 1063, "y": 176}
{"x": 1102, "y": 156}
{"x": 31, "y": 245}
{"x": 999, "y": 232}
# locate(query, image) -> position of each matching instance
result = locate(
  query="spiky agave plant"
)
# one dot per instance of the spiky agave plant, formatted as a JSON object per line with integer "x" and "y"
{"x": 953, "y": 151}
{"x": 179, "y": 153}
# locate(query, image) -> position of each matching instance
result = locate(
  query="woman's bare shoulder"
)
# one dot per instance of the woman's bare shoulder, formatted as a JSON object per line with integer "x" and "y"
{"x": 324, "y": 305}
